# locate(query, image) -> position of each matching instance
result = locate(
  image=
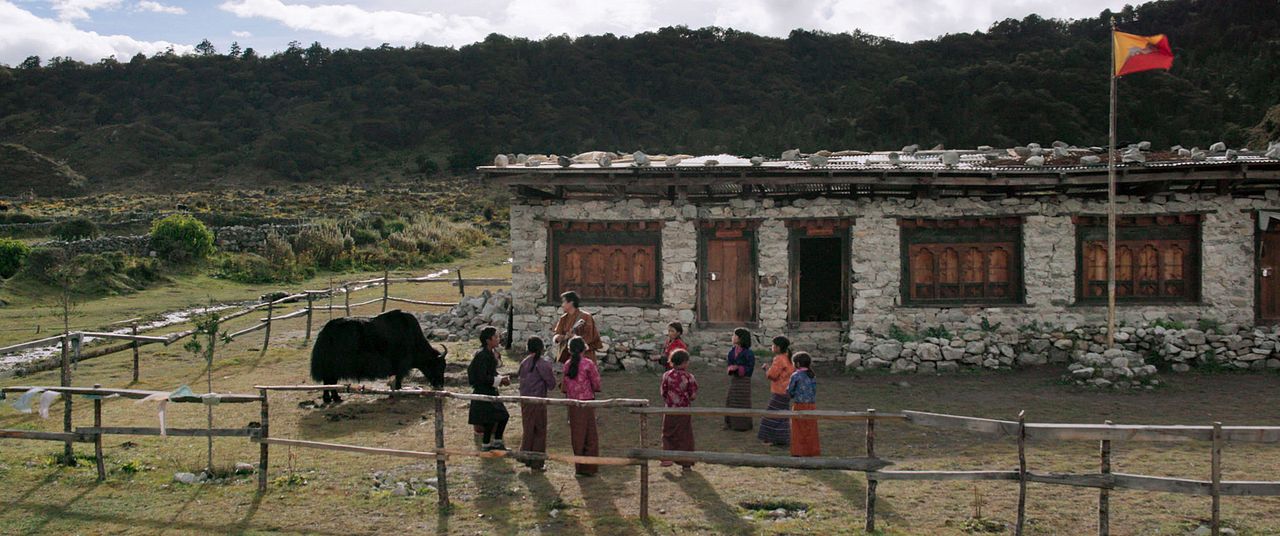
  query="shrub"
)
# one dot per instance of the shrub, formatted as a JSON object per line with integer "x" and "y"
{"x": 365, "y": 237}
{"x": 12, "y": 253}
{"x": 438, "y": 239}
{"x": 75, "y": 229}
{"x": 181, "y": 238}
{"x": 251, "y": 268}
{"x": 322, "y": 245}
{"x": 42, "y": 264}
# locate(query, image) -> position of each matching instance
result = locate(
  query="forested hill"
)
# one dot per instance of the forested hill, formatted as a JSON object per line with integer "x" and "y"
{"x": 311, "y": 114}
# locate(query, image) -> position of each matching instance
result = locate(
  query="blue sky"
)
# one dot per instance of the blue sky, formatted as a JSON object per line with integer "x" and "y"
{"x": 89, "y": 30}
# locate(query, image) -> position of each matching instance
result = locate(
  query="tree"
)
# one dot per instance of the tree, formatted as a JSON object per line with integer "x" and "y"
{"x": 205, "y": 48}
{"x": 235, "y": 50}
{"x": 12, "y": 253}
{"x": 181, "y": 238}
{"x": 32, "y": 62}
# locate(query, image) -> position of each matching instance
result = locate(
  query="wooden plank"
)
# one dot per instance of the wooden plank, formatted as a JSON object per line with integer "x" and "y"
{"x": 294, "y": 314}
{"x": 248, "y": 330}
{"x": 1158, "y": 483}
{"x": 1215, "y": 475}
{"x": 480, "y": 281}
{"x": 421, "y": 302}
{"x": 956, "y": 422}
{"x": 1143, "y": 432}
{"x": 1075, "y": 480}
{"x": 184, "y": 432}
{"x": 225, "y": 398}
{"x": 125, "y": 336}
{"x": 423, "y": 393}
{"x": 108, "y": 350}
{"x": 366, "y": 302}
{"x": 45, "y": 436}
{"x": 943, "y": 475}
{"x": 737, "y": 412}
{"x": 29, "y": 345}
{"x": 760, "y": 460}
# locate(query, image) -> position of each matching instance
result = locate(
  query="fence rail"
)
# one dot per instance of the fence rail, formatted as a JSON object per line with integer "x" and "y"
{"x": 72, "y": 341}
{"x": 870, "y": 464}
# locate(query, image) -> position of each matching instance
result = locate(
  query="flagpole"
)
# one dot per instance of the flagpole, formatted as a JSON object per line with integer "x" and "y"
{"x": 1111, "y": 201}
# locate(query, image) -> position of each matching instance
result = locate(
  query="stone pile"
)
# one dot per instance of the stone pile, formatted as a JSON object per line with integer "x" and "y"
{"x": 462, "y": 321}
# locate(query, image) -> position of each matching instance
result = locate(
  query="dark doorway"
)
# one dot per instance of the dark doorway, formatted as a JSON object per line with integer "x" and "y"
{"x": 819, "y": 275}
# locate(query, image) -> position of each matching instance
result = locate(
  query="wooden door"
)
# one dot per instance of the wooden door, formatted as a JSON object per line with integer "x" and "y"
{"x": 1268, "y": 279}
{"x": 729, "y": 279}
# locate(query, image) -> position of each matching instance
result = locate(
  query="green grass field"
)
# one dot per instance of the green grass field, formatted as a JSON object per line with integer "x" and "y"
{"x": 321, "y": 492}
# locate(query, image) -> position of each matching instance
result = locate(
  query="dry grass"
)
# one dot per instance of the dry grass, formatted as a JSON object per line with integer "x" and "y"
{"x": 501, "y": 497}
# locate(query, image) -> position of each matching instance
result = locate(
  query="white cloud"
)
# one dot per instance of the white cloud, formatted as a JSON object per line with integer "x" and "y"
{"x": 23, "y": 34}
{"x": 240, "y": 34}
{"x": 446, "y": 22}
{"x": 157, "y": 7}
{"x": 346, "y": 20}
{"x": 79, "y": 9}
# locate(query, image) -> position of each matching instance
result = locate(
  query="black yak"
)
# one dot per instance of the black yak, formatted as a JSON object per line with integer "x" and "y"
{"x": 362, "y": 348}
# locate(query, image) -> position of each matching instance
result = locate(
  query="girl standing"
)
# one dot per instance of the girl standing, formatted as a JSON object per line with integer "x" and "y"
{"x": 483, "y": 376}
{"x": 674, "y": 331}
{"x": 741, "y": 364}
{"x": 582, "y": 382}
{"x": 803, "y": 390}
{"x": 678, "y": 390}
{"x": 536, "y": 378}
{"x": 777, "y": 432}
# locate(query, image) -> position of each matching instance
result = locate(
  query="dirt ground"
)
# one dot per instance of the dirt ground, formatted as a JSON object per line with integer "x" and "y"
{"x": 322, "y": 492}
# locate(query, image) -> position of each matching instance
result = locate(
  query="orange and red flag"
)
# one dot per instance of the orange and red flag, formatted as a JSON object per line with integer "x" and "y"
{"x": 1134, "y": 53}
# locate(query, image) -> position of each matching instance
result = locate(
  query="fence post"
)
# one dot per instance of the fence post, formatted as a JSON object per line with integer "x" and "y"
{"x": 266, "y": 338}
{"x": 263, "y": 447}
{"x": 97, "y": 438}
{"x": 346, "y": 296}
{"x": 1022, "y": 472}
{"x": 310, "y": 301}
{"x": 1216, "y": 475}
{"x": 871, "y": 481}
{"x": 442, "y": 483}
{"x": 644, "y": 470}
{"x": 462, "y": 289}
{"x": 1104, "y": 494}
{"x": 68, "y": 456}
{"x": 134, "y": 330}
{"x": 387, "y": 283}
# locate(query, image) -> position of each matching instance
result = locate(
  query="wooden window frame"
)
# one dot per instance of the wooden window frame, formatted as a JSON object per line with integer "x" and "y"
{"x": 603, "y": 233}
{"x": 799, "y": 229}
{"x": 1136, "y": 232}
{"x": 960, "y": 232}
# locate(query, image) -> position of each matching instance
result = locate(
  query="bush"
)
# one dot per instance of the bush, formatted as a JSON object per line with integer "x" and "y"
{"x": 365, "y": 237}
{"x": 42, "y": 265}
{"x": 75, "y": 229}
{"x": 181, "y": 238}
{"x": 438, "y": 239}
{"x": 251, "y": 268}
{"x": 12, "y": 253}
{"x": 322, "y": 245}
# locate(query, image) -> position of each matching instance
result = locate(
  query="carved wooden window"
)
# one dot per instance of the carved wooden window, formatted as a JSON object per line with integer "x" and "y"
{"x": 605, "y": 262}
{"x": 1157, "y": 258}
{"x": 965, "y": 261}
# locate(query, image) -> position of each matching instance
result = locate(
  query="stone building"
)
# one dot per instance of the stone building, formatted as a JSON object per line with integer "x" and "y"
{"x": 920, "y": 261}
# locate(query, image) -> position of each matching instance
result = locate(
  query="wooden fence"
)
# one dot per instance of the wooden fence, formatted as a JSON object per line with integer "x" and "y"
{"x": 72, "y": 342}
{"x": 870, "y": 464}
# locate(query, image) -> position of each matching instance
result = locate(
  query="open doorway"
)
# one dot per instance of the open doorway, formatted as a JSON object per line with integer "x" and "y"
{"x": 819, "y": 273}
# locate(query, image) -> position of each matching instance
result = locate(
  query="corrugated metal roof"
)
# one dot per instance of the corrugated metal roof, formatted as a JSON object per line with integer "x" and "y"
{"x": 996, "y": 161}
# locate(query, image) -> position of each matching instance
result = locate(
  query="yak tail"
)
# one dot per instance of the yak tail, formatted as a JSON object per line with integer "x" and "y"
{"x": 445, "y": 353}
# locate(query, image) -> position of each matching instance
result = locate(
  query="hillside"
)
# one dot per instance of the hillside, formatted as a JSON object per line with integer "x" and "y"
{"x": 315, "y": 114}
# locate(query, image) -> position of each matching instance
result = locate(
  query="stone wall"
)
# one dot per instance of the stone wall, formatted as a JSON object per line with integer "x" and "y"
{"x": 1049, "y": 260}
{"x": 233, "y": 239}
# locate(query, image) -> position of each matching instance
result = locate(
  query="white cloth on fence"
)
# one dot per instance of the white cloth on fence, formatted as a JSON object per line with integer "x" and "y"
{"x": 23, "y": 403}
{"x": 210, "y": 399}
{"x": 46, "y": 400}
{"x": 161, "y": 400}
